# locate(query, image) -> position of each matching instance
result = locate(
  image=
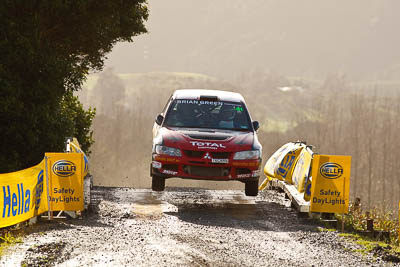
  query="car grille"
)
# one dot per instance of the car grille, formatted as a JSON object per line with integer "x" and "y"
{"x": 171, "y": 167}
{"x": 242, "y": 171}
{"x": 206, "y": 171}
{"x": 193, "y": 153}
{"x": 200, "y": 154}
{"x": 220, "y": 155}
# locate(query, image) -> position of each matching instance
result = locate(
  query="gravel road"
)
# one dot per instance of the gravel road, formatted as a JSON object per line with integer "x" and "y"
{"x": 185, "y": 227}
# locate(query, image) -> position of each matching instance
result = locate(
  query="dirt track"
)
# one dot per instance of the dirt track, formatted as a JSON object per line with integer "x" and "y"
{"x": 185, "y": 227}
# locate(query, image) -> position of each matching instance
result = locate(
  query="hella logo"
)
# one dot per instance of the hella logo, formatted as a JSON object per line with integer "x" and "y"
{"x": 331, "y": 170}
{"x": 64, "y": 168}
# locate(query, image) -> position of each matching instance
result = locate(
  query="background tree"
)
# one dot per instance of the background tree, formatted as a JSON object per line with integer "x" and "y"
{"x": 47, "y": 47}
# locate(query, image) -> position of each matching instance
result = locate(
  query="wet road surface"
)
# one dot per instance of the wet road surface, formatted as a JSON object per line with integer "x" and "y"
{"x": 184, "y": 227}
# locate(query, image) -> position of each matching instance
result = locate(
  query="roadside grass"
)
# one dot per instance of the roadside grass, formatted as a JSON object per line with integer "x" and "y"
{"x": 368, "y": 244}
{"x": 9, "y": 238}
{"x": 355, "y": 223}
{"x": 326, "y": 228}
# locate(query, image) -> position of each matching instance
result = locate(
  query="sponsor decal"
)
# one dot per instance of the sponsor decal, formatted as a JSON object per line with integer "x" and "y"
{"x": 247, "y": 175}
{"x": 155, "y": 157}
{"x": 222, "y": 161}
{"x": 208, "y": 145}
{"x": 329, "y": 201}
{"x": 330, "y": 194}
{"x": 156, "y": 164}
{"x": 331, "y": 170}
{"x": 16, "y": 202}
{"x": 197, "y": 102}
{"x": 39, "y": 189}
{"x": 60, "y": 195}
{"x": 286, "y": 164}
{"x": 244, "y": 175}
{"x": 169, "y": 172}
{"x": 308, "y": 190}
{"x": 64, "y": 168}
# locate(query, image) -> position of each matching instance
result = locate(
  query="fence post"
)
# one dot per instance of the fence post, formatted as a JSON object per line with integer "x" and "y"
{"x": 49, "y": 212}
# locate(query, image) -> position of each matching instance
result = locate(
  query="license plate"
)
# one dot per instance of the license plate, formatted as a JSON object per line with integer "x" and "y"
{"x": 220, "y": 161}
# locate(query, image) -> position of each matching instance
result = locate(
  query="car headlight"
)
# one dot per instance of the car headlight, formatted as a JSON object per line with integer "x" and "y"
{"x": 251, "y": 154}
{"x": 170, "y": 151}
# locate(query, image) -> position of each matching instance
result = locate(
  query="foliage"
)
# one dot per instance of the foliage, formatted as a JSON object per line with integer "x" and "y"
{"x": 47, "y": 47}
{"x": 356, "y": 221}
{"x": 76, "y": 121}
{"x": 368, "y": 244}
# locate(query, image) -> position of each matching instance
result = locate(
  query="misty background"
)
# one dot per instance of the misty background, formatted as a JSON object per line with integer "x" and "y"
{"x": 225, "y": 38}
{"x": 324, "y": 72}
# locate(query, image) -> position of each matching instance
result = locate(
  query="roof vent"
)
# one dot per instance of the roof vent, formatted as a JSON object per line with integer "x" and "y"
{"x": 208, "y": 98}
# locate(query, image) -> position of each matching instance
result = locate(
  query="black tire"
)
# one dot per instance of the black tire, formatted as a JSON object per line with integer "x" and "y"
{"x": 158, "y": 183}
{"x": 251, "y": 188}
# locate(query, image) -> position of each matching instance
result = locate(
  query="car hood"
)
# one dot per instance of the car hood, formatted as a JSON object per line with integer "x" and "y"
{"x": 207, "y": 140}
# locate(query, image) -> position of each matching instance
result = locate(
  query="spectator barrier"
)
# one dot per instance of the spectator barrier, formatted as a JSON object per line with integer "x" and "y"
{"x": 55, "y": 184}
{"x": 317, "y": 183}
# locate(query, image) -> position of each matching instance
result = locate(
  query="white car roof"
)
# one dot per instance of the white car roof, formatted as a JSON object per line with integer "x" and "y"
{"x": 195, "y": 94}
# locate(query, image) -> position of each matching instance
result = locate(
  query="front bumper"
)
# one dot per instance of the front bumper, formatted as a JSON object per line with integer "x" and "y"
{"x": 206, "y": 168}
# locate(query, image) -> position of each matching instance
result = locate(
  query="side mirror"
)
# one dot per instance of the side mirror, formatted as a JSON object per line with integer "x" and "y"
{"x": 159, "y": 119}
{"x": 256, "y": 125}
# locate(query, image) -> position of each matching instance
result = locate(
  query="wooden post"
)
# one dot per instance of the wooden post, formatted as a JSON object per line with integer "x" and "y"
{"x": 344, "y": 187}
{"x": 370, "y": 225}
{"x": 357, "y": 204}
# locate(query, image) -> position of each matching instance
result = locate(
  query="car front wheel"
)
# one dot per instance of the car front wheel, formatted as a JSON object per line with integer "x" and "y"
{"x": 158, "y": 183}
{"x": 251, "y": 188}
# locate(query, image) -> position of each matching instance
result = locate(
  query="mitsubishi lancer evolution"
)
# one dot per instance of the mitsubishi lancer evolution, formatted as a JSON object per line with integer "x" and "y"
{"x": 206, "y": 135}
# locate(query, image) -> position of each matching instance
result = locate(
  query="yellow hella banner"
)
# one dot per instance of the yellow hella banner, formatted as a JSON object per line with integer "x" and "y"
{"x": 301, "y": 170}
{"x": 281, "y": 164}
{"x": 65, "y": 181}
{"x": 22, "y": 195}
{"x": 75, "y": 147}
{"x": 286, "y": 165}
{"x": 269, "y": 168}
{"x": 25, "y": 194}
{"x": 330, "y": 184}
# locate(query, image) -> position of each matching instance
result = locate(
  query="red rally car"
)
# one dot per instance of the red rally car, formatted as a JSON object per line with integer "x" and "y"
{"x": 206, "y": 135}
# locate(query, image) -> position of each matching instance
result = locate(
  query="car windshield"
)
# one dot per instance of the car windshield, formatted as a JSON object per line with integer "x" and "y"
{"x": 208, "y": 114}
